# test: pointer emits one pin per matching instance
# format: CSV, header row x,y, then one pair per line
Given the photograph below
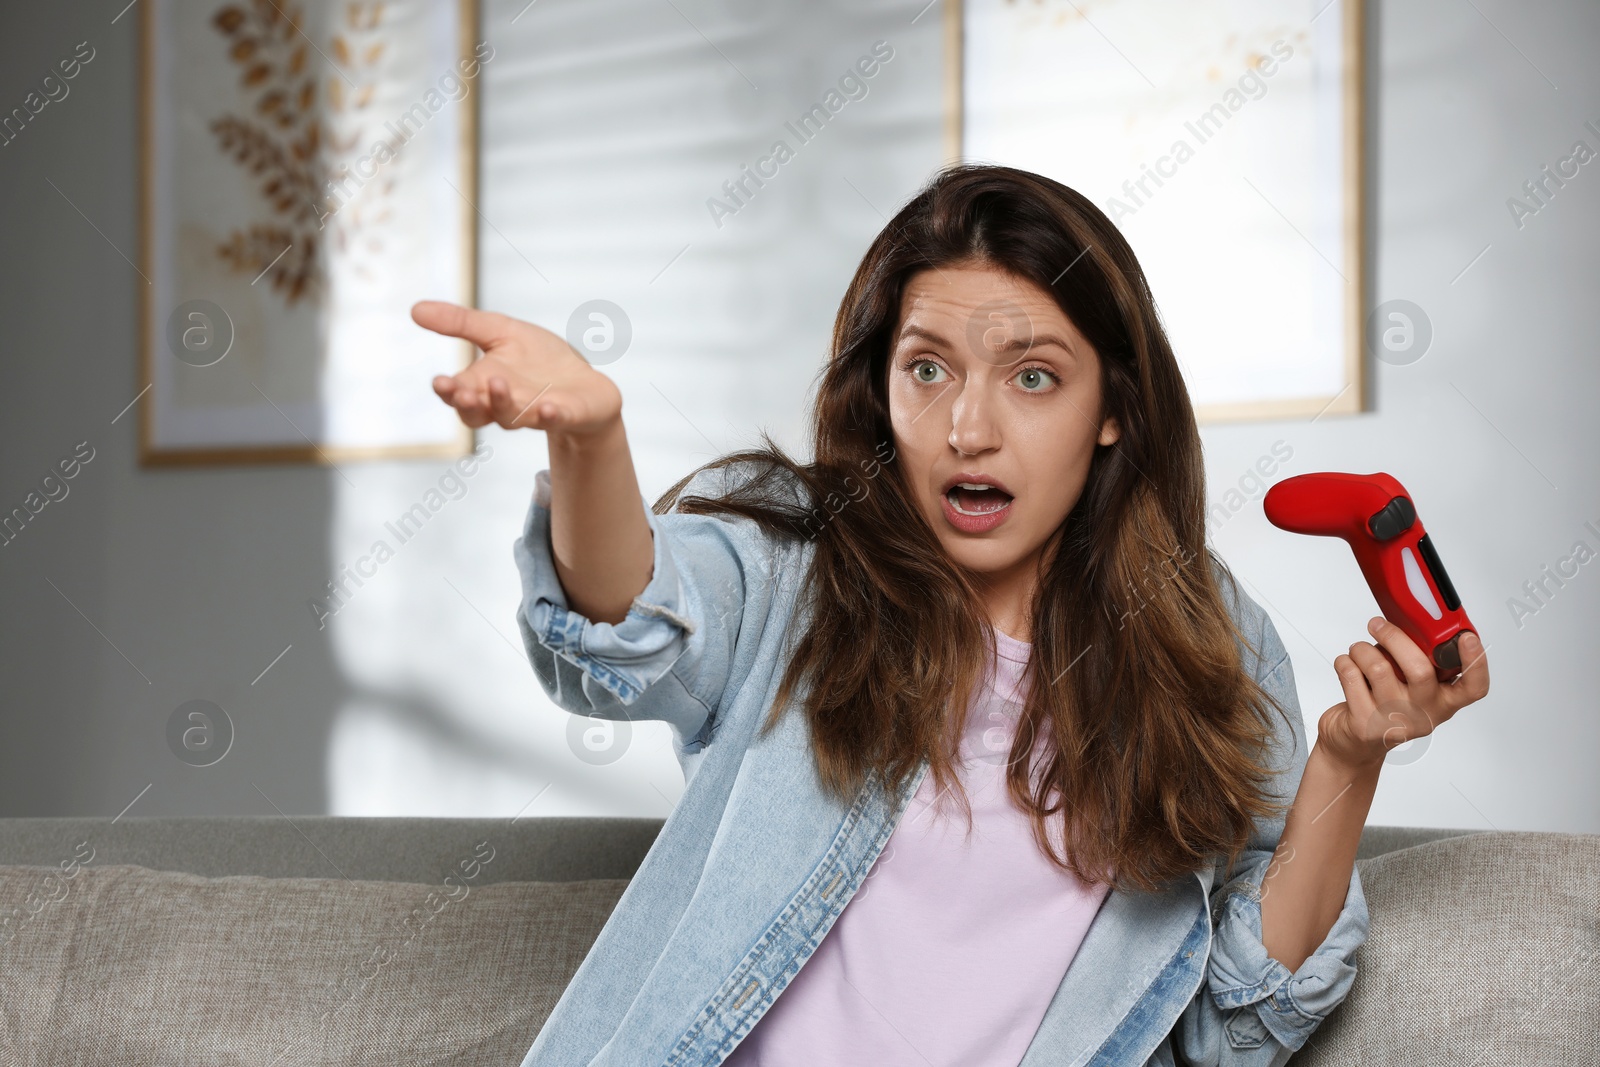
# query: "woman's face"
x,y
994,398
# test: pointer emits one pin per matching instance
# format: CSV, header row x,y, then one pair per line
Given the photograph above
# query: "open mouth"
x,y
969,498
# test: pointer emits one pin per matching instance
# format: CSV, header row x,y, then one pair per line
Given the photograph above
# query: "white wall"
x,y
1492,430
607,125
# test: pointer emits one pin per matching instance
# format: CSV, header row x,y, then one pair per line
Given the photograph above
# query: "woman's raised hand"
x,y
527,377
1393,694
599,533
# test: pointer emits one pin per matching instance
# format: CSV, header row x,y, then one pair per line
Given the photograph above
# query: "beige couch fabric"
x,y
1484,950
128,966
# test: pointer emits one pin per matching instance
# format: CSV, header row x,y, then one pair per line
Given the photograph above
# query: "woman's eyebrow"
x,y
1015,344
932,338
1042,341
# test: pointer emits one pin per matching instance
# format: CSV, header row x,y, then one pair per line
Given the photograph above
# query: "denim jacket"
x,y
756,862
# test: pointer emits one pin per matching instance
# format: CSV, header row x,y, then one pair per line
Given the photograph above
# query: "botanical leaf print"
x,y
301,126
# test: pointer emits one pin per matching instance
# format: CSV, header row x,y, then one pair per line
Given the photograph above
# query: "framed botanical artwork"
x,y
1224,139
309,172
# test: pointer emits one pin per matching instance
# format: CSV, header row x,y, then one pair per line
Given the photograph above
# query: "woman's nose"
x,y
972,424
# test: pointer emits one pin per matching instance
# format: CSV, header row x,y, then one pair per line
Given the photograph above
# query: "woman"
x,y
992,584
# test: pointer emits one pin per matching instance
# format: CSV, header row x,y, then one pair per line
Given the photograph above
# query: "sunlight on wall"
x,y
599,155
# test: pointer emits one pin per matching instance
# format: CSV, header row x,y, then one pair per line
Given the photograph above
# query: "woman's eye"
x,y
926,370
1033,379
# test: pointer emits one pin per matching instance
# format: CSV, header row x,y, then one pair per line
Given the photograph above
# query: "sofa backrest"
x,y
416,850
1483,952
118,964
357,942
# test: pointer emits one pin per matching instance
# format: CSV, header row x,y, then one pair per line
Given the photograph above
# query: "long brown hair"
x,y
1154,733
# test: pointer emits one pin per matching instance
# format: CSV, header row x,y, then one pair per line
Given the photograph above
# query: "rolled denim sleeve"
x,y
1250,1009
1264,1011
670,656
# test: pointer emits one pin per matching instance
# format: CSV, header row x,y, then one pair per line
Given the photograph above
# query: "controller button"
x,y
1395,519
1448,654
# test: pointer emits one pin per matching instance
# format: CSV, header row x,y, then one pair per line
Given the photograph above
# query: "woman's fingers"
x,y
469,399
1354,683
1402,710
446,387
1385,709
542,408
1414,663
483,328
481,401
1380,672
508,409
474,415
527,377
1392,694
1473,681
1421,678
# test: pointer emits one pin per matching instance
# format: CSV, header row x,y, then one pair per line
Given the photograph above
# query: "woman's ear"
x,y
1110,431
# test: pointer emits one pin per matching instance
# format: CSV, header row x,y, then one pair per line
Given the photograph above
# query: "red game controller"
x,y
1374,513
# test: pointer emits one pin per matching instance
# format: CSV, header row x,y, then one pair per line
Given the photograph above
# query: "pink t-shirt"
x,y
952,948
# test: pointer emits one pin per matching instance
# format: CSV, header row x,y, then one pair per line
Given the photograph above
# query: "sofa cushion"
x,y
126,965
1482,951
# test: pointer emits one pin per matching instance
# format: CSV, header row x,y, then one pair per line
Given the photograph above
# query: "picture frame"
x,y
308,171
1255,241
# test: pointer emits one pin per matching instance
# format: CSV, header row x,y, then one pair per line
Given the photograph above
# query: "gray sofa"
x,y
176,941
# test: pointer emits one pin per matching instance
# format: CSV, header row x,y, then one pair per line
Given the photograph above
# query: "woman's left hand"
x,y
1393,695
